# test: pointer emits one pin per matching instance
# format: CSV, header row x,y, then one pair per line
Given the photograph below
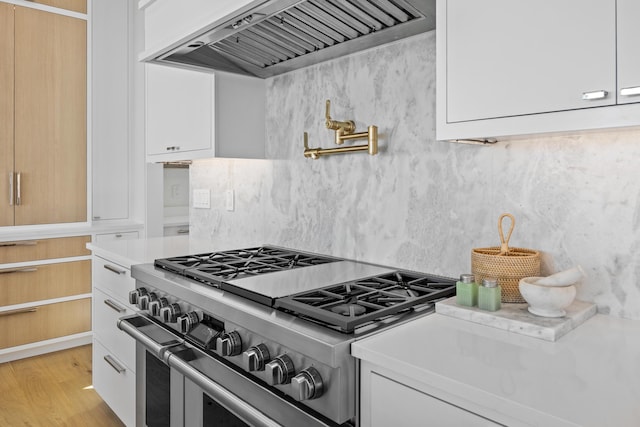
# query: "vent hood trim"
x,y
259,56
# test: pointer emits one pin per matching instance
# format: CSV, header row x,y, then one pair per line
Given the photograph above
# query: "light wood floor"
x,y
52,390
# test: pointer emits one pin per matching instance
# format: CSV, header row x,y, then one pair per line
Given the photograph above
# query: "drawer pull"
x,y
19,311
21,243
11,197
596,94
630,91
115,306
115,365
183,231
18,189
19,270
114,269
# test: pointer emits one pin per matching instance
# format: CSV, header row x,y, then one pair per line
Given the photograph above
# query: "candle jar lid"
x,y
467,278
490,282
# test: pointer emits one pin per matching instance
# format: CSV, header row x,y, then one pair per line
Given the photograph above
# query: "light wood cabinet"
x,y
79,6
43,322
39,249
498,74
195,114
45,171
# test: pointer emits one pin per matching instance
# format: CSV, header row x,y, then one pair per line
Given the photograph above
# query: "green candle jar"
x,y
467,290
489,295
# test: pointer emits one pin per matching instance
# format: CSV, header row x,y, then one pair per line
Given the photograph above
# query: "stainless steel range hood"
x,y
283,35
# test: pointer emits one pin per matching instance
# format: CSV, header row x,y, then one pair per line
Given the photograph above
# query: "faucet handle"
x,y
347,126
309,152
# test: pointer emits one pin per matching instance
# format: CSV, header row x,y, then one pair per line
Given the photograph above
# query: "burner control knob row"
x,y
145,300
188,321
170,313
279,370
136,294
307,385
156,305
255,358
229,344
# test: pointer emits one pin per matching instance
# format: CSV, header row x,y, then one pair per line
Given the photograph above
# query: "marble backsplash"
x,y
421,204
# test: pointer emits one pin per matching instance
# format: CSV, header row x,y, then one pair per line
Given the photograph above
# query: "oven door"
x,y
203,390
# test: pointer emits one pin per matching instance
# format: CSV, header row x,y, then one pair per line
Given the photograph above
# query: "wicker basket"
x,y
506,264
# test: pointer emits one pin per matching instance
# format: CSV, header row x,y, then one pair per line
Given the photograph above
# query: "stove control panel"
x,y
146,299
256,357
156,305
307,385
136,294
170,313
187,321
280,370
229,344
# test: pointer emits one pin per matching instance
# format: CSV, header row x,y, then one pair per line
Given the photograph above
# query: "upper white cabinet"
x,y
110,87
194,114
510,68
169,21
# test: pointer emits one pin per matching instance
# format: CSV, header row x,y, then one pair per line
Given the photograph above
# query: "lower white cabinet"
x,y
386,400
115,382
114,361
116,236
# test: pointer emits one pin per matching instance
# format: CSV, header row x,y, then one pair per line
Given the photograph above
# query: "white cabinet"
x,y
168,21
113,350
110,108
195,114
510,68
387,401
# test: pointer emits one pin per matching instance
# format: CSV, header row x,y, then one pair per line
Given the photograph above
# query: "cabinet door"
x,y
179,112
50,117
6,114
628,57
73,5
110,112
509,58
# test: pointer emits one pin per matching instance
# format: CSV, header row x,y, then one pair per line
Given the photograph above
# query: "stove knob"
x,y
136,294
188,321
170,313
307,385
144,300
156,305
229,344
255,358
279,370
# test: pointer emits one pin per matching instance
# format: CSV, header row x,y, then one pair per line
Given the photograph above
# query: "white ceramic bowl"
x,y
546,301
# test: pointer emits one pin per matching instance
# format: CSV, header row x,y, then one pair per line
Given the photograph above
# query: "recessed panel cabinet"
x,y
509,68
43,135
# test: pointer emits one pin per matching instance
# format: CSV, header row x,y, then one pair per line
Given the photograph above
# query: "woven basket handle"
x,y
504,243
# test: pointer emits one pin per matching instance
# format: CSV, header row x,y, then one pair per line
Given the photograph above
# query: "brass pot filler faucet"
x,y
345,130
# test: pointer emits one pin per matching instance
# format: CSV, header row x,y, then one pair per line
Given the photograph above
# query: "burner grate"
x,y
348,305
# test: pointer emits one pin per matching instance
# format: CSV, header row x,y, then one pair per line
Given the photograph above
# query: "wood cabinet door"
x,y
628,58
79,6
6,113
50,117
509,58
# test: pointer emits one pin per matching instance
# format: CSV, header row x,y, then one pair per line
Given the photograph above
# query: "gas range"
x,y
284,319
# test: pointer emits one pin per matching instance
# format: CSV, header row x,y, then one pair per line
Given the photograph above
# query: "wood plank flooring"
x,y
52,390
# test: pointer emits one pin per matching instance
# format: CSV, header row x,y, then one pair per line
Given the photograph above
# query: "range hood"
x,y
282,35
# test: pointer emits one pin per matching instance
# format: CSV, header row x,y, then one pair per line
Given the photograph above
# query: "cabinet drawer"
x,y
44,322
106,312
116,236
41,282
115,383
112,278
33,250
79,6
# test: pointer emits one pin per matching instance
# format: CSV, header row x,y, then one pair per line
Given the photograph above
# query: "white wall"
x,y
422,204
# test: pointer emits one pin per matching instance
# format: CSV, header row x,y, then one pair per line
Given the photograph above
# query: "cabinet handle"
x,y
115,365
19,270
21,243
596,94
18,189
183,231
11,188
173,148
114,269
20,311
630,91
115,306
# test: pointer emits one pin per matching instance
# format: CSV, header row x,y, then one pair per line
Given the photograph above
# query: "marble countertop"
x,y
589,377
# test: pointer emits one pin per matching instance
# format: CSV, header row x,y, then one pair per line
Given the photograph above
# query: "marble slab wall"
x,y
421,204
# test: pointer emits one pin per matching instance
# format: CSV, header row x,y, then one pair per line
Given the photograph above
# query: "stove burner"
x,y
215,268
348,305
349,309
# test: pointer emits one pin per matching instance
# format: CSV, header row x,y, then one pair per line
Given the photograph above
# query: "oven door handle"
x,y
220,394
142,330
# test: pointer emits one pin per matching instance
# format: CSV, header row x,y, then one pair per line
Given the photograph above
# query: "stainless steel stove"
x,y
277,322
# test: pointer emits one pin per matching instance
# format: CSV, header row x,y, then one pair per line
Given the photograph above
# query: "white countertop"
x,y
589,377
